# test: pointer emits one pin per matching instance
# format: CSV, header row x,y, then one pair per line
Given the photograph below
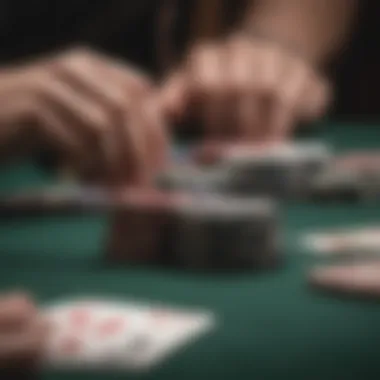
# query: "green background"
x,y
270,325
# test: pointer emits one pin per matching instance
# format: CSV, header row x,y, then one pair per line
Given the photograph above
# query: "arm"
x,y
318,29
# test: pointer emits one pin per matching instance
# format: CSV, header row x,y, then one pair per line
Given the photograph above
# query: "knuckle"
x,y
208,86
74,58
20,304
142,85
200,54
198,51
285,96
98,120
44,85
119,102
241,86
267,85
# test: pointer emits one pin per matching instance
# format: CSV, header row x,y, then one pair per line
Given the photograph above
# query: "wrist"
x,y
291,35
287,47
256,35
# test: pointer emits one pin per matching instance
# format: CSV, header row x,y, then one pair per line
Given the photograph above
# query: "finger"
x,y
157,136
286,97
316,99
135,148
241,87
174,96
209,87
114,100
87,113
26,344
247,114
15,310
91,119
119,90
56,130
84,65
264,77
282,121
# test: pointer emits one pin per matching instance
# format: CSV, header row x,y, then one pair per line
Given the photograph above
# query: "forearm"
x,y
318,29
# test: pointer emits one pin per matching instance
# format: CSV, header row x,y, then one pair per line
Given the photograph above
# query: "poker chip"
x,y
225,233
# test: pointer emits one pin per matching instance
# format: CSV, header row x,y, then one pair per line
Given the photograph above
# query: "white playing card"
x,y
344,241
111,335
168,331
91,334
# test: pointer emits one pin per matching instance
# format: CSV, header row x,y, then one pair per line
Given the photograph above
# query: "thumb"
x,y
282,122
174,95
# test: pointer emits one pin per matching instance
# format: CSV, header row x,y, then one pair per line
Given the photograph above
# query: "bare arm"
x,y
317,28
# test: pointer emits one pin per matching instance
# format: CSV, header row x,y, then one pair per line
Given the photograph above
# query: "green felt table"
x,y
270,325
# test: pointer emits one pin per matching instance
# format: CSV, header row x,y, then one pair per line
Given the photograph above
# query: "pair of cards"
x,y
118,336
344,241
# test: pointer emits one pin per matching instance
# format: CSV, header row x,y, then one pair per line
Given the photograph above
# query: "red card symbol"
x,y
79,318
111,326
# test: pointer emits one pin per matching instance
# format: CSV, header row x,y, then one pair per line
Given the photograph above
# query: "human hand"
x,y
247,88
22,332
100,113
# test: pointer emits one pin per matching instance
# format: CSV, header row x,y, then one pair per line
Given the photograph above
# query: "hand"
x,y
98,112
247,88
22,332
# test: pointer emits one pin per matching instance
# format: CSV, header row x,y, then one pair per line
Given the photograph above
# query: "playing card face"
x,y
91,335
168,330
344,241
120,336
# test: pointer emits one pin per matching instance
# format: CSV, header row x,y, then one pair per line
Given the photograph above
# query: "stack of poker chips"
x,y
198,231
226,233
192,178
216,211
280,171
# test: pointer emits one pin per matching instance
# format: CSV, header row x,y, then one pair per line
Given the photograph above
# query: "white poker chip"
x,y
285,153
344,241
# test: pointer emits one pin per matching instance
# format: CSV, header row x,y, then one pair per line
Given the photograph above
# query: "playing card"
x,y
353,279
168,330
121,336
91,335
344,241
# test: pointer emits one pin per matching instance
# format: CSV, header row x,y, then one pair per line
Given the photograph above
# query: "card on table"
x,y
352,279
352,240
99,334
